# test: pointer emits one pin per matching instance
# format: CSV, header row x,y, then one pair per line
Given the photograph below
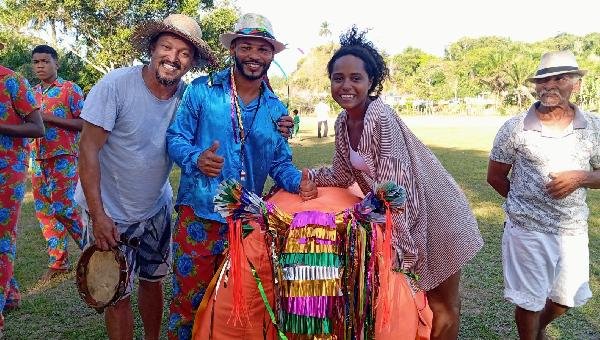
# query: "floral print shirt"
x,y
62,99
16,102
535,153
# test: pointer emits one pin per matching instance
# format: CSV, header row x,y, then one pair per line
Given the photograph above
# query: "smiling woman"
x,y
436,234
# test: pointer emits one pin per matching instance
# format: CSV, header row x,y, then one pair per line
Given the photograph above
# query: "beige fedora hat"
x,y
179,24
554,63
252,25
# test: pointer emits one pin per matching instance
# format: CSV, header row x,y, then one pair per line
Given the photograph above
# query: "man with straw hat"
x,y
124,169
225,128
552,152
20,119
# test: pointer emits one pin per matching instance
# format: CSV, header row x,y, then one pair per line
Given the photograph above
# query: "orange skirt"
x,y
410,316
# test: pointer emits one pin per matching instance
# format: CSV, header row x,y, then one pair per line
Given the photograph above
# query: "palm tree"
x,y
324,31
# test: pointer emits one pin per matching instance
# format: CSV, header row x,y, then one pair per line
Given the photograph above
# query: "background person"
x,y
552,153
322,113
296,127
55,159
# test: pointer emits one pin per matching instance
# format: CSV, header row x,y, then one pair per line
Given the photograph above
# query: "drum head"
x,y
101,276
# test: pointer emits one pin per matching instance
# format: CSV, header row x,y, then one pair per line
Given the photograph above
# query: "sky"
x,y
430,25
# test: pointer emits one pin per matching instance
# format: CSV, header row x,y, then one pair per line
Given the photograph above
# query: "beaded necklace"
x,y
236,111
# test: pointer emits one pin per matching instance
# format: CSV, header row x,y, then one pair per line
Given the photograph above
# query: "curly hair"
x,y
355,43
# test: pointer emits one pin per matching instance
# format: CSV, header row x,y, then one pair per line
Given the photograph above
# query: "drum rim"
x,y
81,277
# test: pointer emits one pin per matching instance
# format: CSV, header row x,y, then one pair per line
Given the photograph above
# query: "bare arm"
x,y
562,184
592,180
75,124
32,127
93,139
497,177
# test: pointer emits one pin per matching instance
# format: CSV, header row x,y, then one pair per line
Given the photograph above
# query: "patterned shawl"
x,y
437,234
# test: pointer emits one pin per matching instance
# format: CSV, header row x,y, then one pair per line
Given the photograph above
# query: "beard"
x,y
166,81
240,67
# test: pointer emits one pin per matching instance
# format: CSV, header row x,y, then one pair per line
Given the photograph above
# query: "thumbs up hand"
x,y
308,188
209,162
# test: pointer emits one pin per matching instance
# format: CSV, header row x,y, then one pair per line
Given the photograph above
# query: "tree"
x,y
325,31
96,31
404,68
17,51
311,74
215,22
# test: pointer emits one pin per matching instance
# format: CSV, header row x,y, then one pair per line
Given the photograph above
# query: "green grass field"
x,y
54,310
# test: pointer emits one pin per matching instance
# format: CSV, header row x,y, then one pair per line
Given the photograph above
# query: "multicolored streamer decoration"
x,y
326,268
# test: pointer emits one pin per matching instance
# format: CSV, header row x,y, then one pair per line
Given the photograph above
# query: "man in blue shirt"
x,y
226,127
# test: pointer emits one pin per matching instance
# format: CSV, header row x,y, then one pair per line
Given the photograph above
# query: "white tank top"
x,y
357,161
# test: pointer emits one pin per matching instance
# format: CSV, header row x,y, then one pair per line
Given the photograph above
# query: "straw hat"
x,y
554,63
253,26
179,24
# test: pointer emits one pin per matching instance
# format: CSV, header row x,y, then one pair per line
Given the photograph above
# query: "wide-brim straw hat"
x,y
179,24
252,25
555,63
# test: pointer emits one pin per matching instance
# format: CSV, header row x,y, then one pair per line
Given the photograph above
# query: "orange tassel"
x,y
236,253
386,268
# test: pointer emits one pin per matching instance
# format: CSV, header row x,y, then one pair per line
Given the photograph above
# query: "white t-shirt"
x,y
322,111
134,165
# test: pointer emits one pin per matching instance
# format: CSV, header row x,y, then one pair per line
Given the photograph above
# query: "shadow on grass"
x,y
55,311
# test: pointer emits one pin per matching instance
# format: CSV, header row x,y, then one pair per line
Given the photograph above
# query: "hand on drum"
x,y
209,162
308,188
105,232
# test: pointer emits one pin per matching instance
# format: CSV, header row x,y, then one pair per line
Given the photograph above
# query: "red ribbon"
x,y
236,253
385,294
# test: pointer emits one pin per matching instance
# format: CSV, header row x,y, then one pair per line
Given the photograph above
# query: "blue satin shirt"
x,y
204,116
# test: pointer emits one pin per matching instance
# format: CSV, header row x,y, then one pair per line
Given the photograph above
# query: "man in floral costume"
x,y
19,119
55,158
225,128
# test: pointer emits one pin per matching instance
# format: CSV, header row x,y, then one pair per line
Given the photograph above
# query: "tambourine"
x,y
102,276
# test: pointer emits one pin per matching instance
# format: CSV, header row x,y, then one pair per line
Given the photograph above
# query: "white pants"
x,y
539,266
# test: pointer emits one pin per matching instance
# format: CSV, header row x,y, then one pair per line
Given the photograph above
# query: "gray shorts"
x,y
151,260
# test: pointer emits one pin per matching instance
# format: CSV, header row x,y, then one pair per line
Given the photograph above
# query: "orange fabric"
x,y
410,316
329,199
256,251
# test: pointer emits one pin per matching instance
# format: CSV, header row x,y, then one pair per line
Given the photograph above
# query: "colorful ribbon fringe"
x,y
327,276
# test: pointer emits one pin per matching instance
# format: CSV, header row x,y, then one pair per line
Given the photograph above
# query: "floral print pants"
x,y
12,191
198,246
53,183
